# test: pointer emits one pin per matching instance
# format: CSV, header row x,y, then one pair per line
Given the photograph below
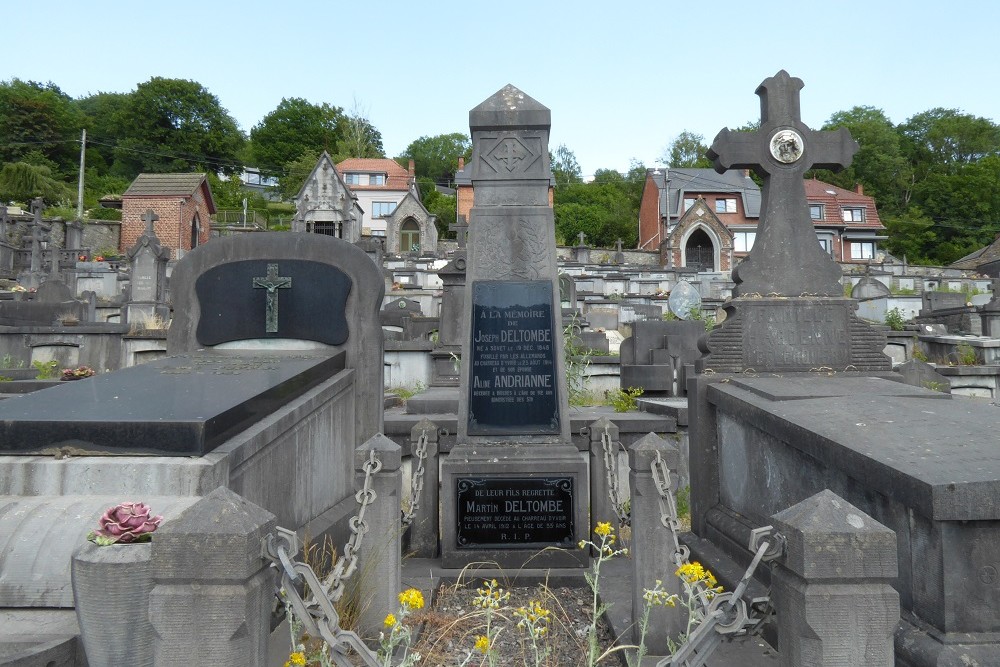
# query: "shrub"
x,y
101,213
623,400
966,355
894,319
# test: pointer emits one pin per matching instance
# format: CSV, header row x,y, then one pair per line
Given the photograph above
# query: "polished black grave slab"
x,y
185,405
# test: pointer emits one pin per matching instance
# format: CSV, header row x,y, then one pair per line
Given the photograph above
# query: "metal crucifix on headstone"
x,y
272,282
786,259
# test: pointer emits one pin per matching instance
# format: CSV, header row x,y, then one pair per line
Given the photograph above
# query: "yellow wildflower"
x,y
482,644
412,599
297,659
603,529
390,620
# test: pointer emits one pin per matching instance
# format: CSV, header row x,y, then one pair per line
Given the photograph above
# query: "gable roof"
x,y
324,157
685,182
396,177
171,185
835,199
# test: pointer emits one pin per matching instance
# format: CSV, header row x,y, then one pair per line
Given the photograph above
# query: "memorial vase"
x,y
111,588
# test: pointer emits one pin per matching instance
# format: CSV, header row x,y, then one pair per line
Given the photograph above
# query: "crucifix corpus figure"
x,y
272,282
786,259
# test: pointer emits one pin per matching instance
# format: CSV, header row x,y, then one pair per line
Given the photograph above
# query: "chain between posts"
x,y
347,565
316,612
610,450
668,508
417,479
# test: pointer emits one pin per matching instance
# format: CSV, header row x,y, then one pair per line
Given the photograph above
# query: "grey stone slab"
x,y
179,406
924,453
799,387
670,407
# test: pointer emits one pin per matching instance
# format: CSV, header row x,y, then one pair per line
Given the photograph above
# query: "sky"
x,y
622,79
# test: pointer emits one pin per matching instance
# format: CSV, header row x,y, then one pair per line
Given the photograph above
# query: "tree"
x,y
100,112
22,182
944,139
36,117
360,138
296,172
687,150
442,205
295,127
436,157
565,169
879,164
169,125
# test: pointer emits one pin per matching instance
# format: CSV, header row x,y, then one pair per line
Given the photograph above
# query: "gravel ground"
x,y
452,624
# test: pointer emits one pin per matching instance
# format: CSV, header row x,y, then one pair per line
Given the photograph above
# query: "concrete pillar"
x,y
212,591
424,529
377,581
601,508
652,542
831,589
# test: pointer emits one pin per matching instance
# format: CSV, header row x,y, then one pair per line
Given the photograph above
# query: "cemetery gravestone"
x,y
148,276
788,312
514,484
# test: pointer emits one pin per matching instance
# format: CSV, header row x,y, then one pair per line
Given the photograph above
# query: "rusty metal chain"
x,y
416,479
610,449
316,612
668,509
347,565
728,614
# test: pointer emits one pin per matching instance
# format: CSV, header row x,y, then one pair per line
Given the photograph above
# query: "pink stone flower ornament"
x,y
127,523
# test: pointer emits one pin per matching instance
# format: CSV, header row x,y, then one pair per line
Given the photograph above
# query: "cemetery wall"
x,y
97,235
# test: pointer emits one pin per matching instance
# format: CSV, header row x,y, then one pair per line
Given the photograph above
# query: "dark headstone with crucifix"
x,y
513,443
788,313
291,291
148,259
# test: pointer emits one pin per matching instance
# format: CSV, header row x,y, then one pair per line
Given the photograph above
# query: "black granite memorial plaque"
x,y
515,512
185,405
513,386
272,299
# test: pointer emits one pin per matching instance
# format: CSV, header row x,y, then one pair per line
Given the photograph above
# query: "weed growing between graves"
x,y
576,360
966,355
700,586
47,370
918,353
894,319
148,323
406,393
7,361
623,400
605,552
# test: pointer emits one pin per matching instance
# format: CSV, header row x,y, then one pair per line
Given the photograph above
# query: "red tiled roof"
x,y
834,199
397,178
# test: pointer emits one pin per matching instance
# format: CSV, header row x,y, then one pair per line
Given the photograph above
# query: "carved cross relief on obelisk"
x,y
786,259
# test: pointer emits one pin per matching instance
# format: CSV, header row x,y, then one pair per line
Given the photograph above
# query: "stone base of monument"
x,y
515,505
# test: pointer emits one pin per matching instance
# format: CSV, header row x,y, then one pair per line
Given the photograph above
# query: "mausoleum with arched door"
x,y
411,228
699,241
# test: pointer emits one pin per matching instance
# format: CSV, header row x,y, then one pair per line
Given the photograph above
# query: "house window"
x,y
380,209
352,179
816,212
376,179
862,250
854,215
743,241
826,245
725,205
688,203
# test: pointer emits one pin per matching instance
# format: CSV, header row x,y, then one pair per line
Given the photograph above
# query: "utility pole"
x,y
79,190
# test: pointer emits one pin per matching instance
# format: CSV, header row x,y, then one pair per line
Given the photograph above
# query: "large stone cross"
x,y
581,236
786,258
3,223
461,229
149,218
272,282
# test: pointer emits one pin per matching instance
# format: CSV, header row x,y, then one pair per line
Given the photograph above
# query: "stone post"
x,y
831,589
212,590
377,581
424,529
652,543
601,508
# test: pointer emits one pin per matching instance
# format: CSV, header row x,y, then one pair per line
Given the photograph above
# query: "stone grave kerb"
x,y
358,330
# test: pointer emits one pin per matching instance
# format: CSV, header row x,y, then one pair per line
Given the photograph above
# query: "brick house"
x,y
380,184
465,193
183,203
706,220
